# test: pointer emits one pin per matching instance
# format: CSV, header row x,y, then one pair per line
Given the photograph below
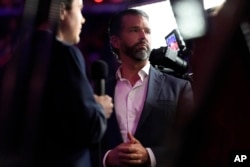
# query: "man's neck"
x,y
130,71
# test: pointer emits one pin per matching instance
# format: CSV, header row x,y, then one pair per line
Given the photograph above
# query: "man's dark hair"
x,y
44,9
115,24
68,3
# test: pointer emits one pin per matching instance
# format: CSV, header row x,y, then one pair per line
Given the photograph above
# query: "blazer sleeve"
x,y
176,101
170,149
88,116
185,106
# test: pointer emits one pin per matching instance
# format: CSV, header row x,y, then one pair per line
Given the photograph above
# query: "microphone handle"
x,y
100,87
100,90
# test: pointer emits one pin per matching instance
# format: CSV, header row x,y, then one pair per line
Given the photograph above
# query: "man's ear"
x,y
115,41
62,10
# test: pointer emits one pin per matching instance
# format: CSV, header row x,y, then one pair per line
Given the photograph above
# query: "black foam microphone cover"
x,y
99,72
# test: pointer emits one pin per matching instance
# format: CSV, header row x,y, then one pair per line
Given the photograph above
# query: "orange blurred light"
x,y
98,1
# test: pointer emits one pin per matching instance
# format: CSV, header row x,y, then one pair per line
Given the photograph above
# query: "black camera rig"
x,y
170,59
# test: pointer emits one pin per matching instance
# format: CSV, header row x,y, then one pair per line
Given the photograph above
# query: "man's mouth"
x,y
143,45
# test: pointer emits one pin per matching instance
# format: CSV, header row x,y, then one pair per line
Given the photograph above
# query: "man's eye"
x,y
134,30
148,31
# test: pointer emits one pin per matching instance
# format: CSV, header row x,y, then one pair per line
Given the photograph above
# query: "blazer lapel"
x,y
154,87
113,127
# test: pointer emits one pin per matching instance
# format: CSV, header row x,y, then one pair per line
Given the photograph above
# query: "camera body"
x,y
169,59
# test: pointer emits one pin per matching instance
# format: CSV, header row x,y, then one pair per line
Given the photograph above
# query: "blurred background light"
x,y
192,22
212,3
161,19
98,1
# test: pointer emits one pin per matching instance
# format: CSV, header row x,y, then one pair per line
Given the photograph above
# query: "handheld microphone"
x,y
99,72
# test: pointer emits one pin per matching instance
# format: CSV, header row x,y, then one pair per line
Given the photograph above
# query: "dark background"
x,y
221,65
94,38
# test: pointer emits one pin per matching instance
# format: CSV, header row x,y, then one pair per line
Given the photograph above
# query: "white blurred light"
x,y
161,19
212,3
191,23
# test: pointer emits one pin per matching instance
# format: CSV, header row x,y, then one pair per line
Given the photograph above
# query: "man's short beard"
x,y
141,55
135,53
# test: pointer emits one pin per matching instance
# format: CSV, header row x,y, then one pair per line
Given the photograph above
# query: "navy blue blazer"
x,y
70,119
168,100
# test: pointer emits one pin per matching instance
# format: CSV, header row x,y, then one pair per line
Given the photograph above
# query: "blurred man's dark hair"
x,y
43,11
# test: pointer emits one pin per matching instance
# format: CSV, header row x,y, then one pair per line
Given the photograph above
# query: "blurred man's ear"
x,y
62,10
115,42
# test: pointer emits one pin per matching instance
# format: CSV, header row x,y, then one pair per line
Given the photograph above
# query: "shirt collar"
x,y
143,73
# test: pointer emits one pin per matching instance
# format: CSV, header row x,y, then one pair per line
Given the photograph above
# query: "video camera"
x,y
169,59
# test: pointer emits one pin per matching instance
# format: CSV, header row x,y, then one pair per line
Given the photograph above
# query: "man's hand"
x,y
129,153
106,103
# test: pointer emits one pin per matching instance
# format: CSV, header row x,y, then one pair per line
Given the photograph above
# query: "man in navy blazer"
x,y
147,102
72,118
54,115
